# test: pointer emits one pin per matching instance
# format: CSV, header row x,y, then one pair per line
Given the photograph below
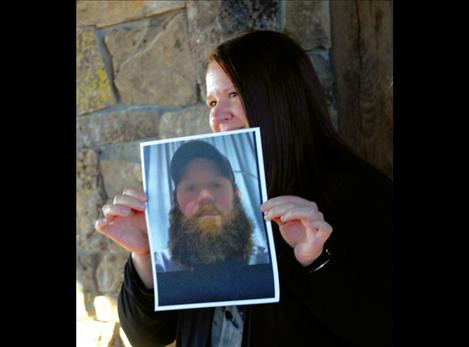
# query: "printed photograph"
x,y
209,242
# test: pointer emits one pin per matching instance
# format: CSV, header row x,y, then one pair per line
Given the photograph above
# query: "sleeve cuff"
x,y
135,286
320,262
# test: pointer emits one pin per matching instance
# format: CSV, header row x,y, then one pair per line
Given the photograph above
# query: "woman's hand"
x,y
124,222
301,225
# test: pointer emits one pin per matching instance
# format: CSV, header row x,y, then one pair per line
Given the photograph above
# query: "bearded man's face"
x,y
207,221
202,185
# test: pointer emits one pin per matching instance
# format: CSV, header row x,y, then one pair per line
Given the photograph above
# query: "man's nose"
x,y
205,196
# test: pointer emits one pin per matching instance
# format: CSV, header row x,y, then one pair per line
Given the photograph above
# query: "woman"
x,y
264,79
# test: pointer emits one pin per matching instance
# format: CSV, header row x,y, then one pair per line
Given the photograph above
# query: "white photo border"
x,y
270,239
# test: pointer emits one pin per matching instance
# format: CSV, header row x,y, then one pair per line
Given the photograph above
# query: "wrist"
x,y
142,265
319,262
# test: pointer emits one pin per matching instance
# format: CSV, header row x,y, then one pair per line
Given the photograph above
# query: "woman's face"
x,y
226,107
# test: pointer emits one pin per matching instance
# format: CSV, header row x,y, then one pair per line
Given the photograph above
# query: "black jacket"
x,y
346,303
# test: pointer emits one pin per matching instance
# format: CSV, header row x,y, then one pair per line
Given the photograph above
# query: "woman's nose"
x,y
221,113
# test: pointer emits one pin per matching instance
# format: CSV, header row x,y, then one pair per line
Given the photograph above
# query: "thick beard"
x,y
192,245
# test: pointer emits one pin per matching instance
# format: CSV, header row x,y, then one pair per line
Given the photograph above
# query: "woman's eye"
x,y
233,94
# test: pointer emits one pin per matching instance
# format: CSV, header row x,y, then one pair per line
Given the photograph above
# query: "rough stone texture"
x,y
362,63
120,167
191,121
86,282
94,333
110,272
152,64
89,199
238,15
106,308
120,174
116,127
212,22
334,115
308,23
87,170
93,87
116,340
322,66
81,313
104,13
129,151
88,210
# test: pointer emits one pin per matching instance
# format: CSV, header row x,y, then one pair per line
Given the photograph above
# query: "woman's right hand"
x,y
124,222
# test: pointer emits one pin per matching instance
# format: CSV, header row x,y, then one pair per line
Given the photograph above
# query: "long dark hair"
x,y
282,95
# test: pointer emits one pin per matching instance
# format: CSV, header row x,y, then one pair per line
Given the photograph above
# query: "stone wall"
x,y
140,76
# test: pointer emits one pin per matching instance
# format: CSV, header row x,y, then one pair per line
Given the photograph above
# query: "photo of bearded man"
x,y
208,223
210,243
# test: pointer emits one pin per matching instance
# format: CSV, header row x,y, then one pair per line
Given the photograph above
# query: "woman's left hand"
x,y
301,225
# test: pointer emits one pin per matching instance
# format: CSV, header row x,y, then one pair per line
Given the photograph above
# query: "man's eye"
x,y
190,188
212,103
216,185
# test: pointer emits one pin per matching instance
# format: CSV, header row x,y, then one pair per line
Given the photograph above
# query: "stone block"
x,y
109,272
86,169
190,121
106,308
89,200
239,15
116,127
86,282
81,312
152,63
322,66
94,333
105,13
129,151
213,22
308,22
116,340
91,196
119,175
93,87
120,167
89,206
